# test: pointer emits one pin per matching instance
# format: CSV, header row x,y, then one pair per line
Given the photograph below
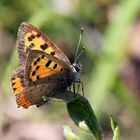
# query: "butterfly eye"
x,y
77,69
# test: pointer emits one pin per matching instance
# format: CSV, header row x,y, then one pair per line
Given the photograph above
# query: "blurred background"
x,y
111,64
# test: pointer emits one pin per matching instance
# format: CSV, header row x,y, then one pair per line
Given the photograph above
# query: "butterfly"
x,y
44,68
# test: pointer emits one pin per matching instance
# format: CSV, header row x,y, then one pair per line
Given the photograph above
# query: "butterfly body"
x,y
44,68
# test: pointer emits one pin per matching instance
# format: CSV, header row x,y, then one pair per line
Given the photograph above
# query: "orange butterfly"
x,y
44,68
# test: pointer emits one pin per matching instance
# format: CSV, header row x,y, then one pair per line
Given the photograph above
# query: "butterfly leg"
x,y
80,83
78,87
74,89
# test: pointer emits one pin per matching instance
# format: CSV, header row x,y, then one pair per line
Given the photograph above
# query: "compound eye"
x,y
77,69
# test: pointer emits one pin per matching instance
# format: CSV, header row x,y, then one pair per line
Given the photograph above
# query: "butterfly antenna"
x,y
83,49
81,33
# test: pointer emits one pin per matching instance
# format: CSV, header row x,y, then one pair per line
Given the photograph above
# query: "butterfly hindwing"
x,y
18,86
17,80
32,95
30,38
40,65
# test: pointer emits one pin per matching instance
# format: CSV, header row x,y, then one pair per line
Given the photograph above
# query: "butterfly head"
x,y
76,69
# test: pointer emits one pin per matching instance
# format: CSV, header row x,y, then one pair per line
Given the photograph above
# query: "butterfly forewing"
x,y
30,38
40,65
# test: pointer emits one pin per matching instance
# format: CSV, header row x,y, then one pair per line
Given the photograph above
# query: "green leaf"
x,y
115,128
82,114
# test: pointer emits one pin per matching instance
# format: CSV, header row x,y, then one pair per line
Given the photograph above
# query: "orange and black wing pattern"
x,y
18,86
30,38
27,95
40,65
39,59
17,80
33,96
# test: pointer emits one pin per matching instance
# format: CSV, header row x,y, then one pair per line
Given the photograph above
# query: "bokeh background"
x,y
111,64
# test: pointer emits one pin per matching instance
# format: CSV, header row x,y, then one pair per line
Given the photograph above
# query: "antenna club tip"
x,y
82,29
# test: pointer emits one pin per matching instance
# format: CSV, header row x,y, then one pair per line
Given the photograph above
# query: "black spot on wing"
x,y
14,89
44,46
55,66
38,59
31,45
52,53
35,63
30,38
33,73
48,63
38,35
37,77
61,69
37,67
43,56
13,83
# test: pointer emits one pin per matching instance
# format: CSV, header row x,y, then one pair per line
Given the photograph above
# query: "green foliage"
x,y
115,128
82,114
103,78
106,21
